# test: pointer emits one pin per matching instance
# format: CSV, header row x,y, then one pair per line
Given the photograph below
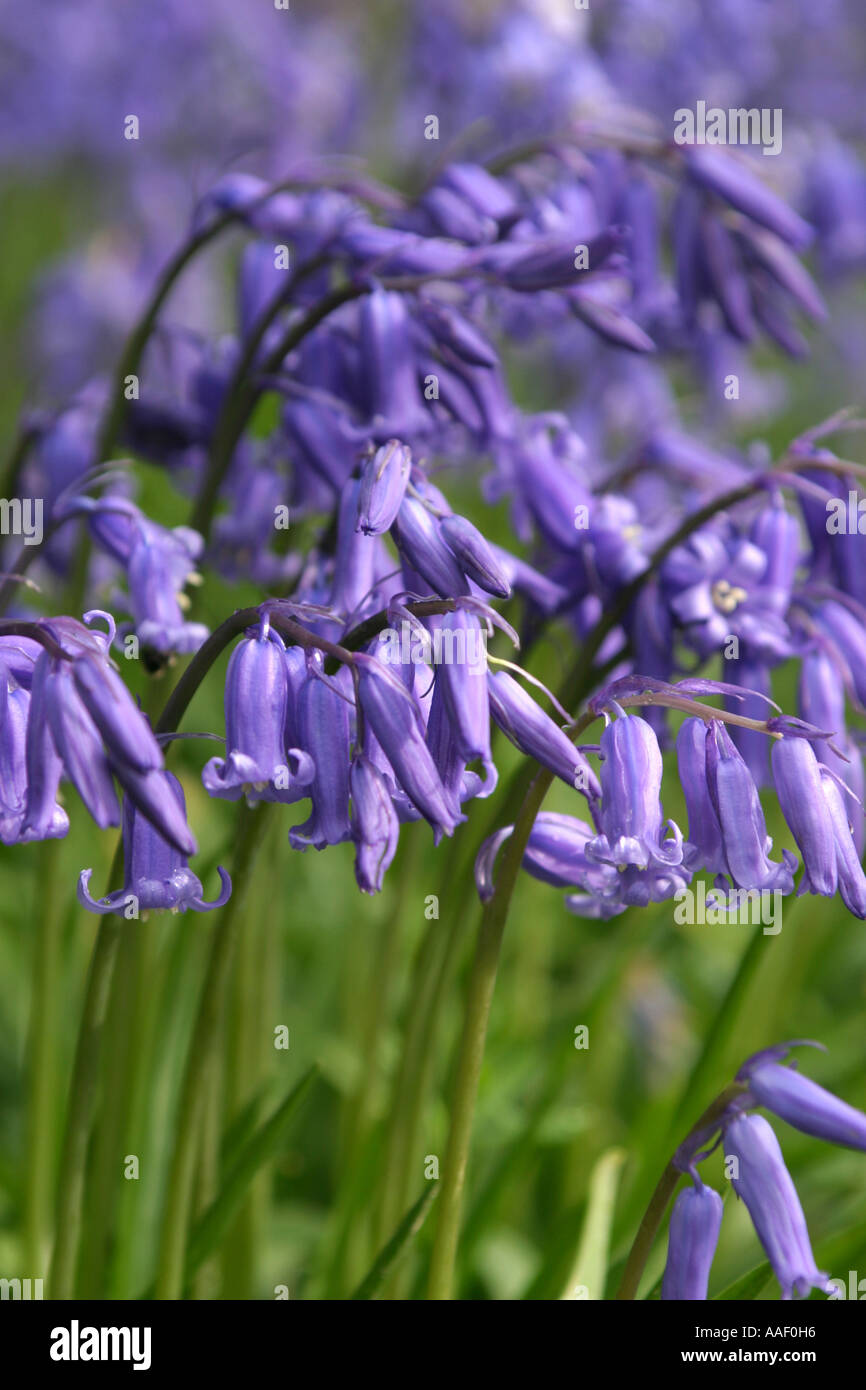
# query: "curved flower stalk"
x,y
156,876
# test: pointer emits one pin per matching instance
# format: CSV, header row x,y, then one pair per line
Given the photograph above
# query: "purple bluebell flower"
x,y
160,563
355,558
849,870
258,765
717,588
800,789
555,854
631,817
848,636
535,733
323,720
420,543
395,720
737,805
692,1239
474,556
732,180
463,682
761,1179
375,825
383,485
156,875
800,1101
703,848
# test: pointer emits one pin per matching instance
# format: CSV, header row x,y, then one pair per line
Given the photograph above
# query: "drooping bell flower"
x,y
355,557
395,720
258,763
849,870
631,817
474,555
741,820
160,564
703,848
535,733
324,733
375,825
463,682
383,486
800,1101
555,854
50,821
420,543
156,876
390,385
692,1239
800,790
760,1178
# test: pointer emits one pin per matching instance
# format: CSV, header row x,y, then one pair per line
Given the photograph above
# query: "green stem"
x,y
85,1079
200,1059
44,1102
658,1204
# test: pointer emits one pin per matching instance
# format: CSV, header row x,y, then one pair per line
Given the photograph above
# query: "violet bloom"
x,y
375,826
631,818
720,586
395,720
421,545
800,789
383,485
258,763
463,683
474,556
692,1239
761,1179
555,854
703,848
734,796
535,733
156,875
49,820
324,732
800,1101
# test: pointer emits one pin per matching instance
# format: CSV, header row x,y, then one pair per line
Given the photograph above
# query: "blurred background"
x,y
87,220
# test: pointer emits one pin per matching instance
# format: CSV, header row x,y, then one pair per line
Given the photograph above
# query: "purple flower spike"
x,y
383,486
395,721
375,826
258,763
534,732
631,814
802,1102
474,555
764,1183
692,1239
156,875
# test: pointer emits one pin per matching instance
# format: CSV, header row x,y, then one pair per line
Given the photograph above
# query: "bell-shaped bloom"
x,y
474,555
395,720
383,486
324,734
692,1239
800,789
535,733
50,821
849,871
463,682
760,1178
822,703
156,876
76,738
800,1101
375,825
631,818
741,819
420,543
555,853
354,559
390,378
703,848
258,764
160,563
848,635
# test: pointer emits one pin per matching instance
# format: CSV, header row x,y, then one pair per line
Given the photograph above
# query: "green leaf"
x,y
265,1142
590,1267
748,1286
388,1257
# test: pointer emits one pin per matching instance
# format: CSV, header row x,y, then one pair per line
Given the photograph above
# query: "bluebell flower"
x,y
383,485
156,875
760,1178
258,765
696,1221
375,826
535,733
631,818
745,842
323,731
800,1101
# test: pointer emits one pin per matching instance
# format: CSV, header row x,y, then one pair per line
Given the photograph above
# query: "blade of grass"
x,y
389,1255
